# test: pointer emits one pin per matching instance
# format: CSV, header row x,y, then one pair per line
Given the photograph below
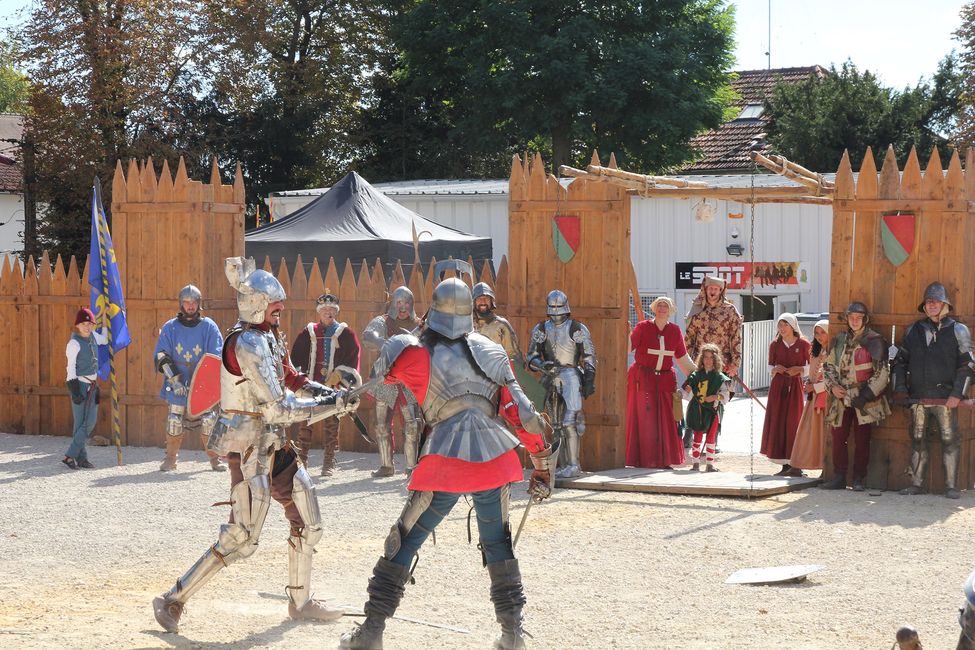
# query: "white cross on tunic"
x,y
661,353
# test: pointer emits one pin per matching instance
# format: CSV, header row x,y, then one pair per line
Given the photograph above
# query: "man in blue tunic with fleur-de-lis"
x,y
182,343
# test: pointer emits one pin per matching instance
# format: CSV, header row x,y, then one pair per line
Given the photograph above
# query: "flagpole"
x,y
106,316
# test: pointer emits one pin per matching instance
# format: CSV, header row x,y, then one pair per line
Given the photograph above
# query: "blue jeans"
x,y
492,532
85,417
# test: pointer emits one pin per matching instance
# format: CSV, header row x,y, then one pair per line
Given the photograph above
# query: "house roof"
x,y
11,176
726,148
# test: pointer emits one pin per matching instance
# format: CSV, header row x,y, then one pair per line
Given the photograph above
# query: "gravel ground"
x,y
82,554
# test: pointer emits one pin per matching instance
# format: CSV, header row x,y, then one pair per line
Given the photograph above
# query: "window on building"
x,y
751,112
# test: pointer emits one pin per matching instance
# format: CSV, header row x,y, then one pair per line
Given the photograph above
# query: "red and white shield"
x,y
205,386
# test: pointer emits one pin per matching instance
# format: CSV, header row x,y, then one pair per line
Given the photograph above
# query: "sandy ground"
x,y
83,553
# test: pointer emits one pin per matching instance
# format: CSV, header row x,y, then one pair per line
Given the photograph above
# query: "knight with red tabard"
x,y
467,389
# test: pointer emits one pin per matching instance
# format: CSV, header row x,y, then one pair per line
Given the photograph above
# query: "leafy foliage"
x,y
472,82
814,121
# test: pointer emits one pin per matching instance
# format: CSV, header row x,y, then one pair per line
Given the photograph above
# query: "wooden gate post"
x,y
944,238
596,280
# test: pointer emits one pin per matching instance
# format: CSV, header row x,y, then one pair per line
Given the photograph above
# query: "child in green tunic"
x,y
708,390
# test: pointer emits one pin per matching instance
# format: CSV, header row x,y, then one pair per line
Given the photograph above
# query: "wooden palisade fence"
x,y
172,232
945,233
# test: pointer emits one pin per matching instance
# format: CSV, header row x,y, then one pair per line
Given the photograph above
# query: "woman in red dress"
x,y
788,355
651,429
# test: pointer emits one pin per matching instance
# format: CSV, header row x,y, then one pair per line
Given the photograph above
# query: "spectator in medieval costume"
x,y
707,388
82,378
856,375
714,319
182,343
326,351
651,411
810,444
788,356
933,369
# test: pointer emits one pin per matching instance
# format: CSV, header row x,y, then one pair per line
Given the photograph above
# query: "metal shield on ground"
x,y
205,386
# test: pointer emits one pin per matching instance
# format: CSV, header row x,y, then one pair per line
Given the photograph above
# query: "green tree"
x,y
14,87
814,121
964,133
472,82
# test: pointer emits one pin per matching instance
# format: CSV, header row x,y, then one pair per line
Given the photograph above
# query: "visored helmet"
x,y
451,310
557,304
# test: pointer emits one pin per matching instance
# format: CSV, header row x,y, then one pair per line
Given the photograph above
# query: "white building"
x,y
11,182
672,243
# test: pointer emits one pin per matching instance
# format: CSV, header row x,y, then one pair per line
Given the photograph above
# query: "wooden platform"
x,y
684,481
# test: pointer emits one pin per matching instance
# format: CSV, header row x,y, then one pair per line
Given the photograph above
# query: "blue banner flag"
x,y
107,301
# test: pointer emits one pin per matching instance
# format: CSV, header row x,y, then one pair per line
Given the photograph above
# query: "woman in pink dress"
x,y
651,426
809,449
788,355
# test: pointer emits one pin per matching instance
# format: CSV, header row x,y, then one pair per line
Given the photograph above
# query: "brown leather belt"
x,y
250,413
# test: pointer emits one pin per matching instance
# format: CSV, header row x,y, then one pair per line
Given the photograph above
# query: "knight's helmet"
x,y
858,307
451,310
401,294
256,289
935,291
557,306
484,289
190,292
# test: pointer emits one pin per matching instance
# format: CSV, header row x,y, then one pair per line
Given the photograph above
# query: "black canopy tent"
x,y
354,221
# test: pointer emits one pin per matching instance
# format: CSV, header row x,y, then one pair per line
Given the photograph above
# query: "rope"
x,y
751,291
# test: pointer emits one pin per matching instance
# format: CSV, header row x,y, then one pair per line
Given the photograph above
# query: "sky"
x,y
900,41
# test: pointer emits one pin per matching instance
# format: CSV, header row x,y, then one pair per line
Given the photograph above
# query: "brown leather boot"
x,y
314,610
172,452
304,444
331,446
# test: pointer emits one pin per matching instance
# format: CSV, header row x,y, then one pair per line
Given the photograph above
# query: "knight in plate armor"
x,y
182,343
933,369
467,390
260,394
399,318
562,348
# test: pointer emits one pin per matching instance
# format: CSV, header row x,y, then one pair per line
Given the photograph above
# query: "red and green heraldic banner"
x,y
742,275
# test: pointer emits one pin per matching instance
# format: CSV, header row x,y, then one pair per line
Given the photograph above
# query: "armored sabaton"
x,y
255,406
375,335
564,351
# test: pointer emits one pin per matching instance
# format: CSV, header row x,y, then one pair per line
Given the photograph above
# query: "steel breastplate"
x,y
559,346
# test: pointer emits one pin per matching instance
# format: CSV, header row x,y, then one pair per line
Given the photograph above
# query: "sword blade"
x,y
524,517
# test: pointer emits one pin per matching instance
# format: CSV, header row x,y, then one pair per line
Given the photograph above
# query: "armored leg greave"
x,y
919,446
301,543
411,445
174,437
384,441
508,596
250,501
386,588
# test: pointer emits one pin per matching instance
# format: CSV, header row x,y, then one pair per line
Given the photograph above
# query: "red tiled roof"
x,y
11,176
727,147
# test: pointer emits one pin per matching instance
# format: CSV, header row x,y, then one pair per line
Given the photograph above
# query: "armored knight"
x,y
465,384
488,323
562,349
856,375
400,318
182,343
328,350
257,400
932,369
